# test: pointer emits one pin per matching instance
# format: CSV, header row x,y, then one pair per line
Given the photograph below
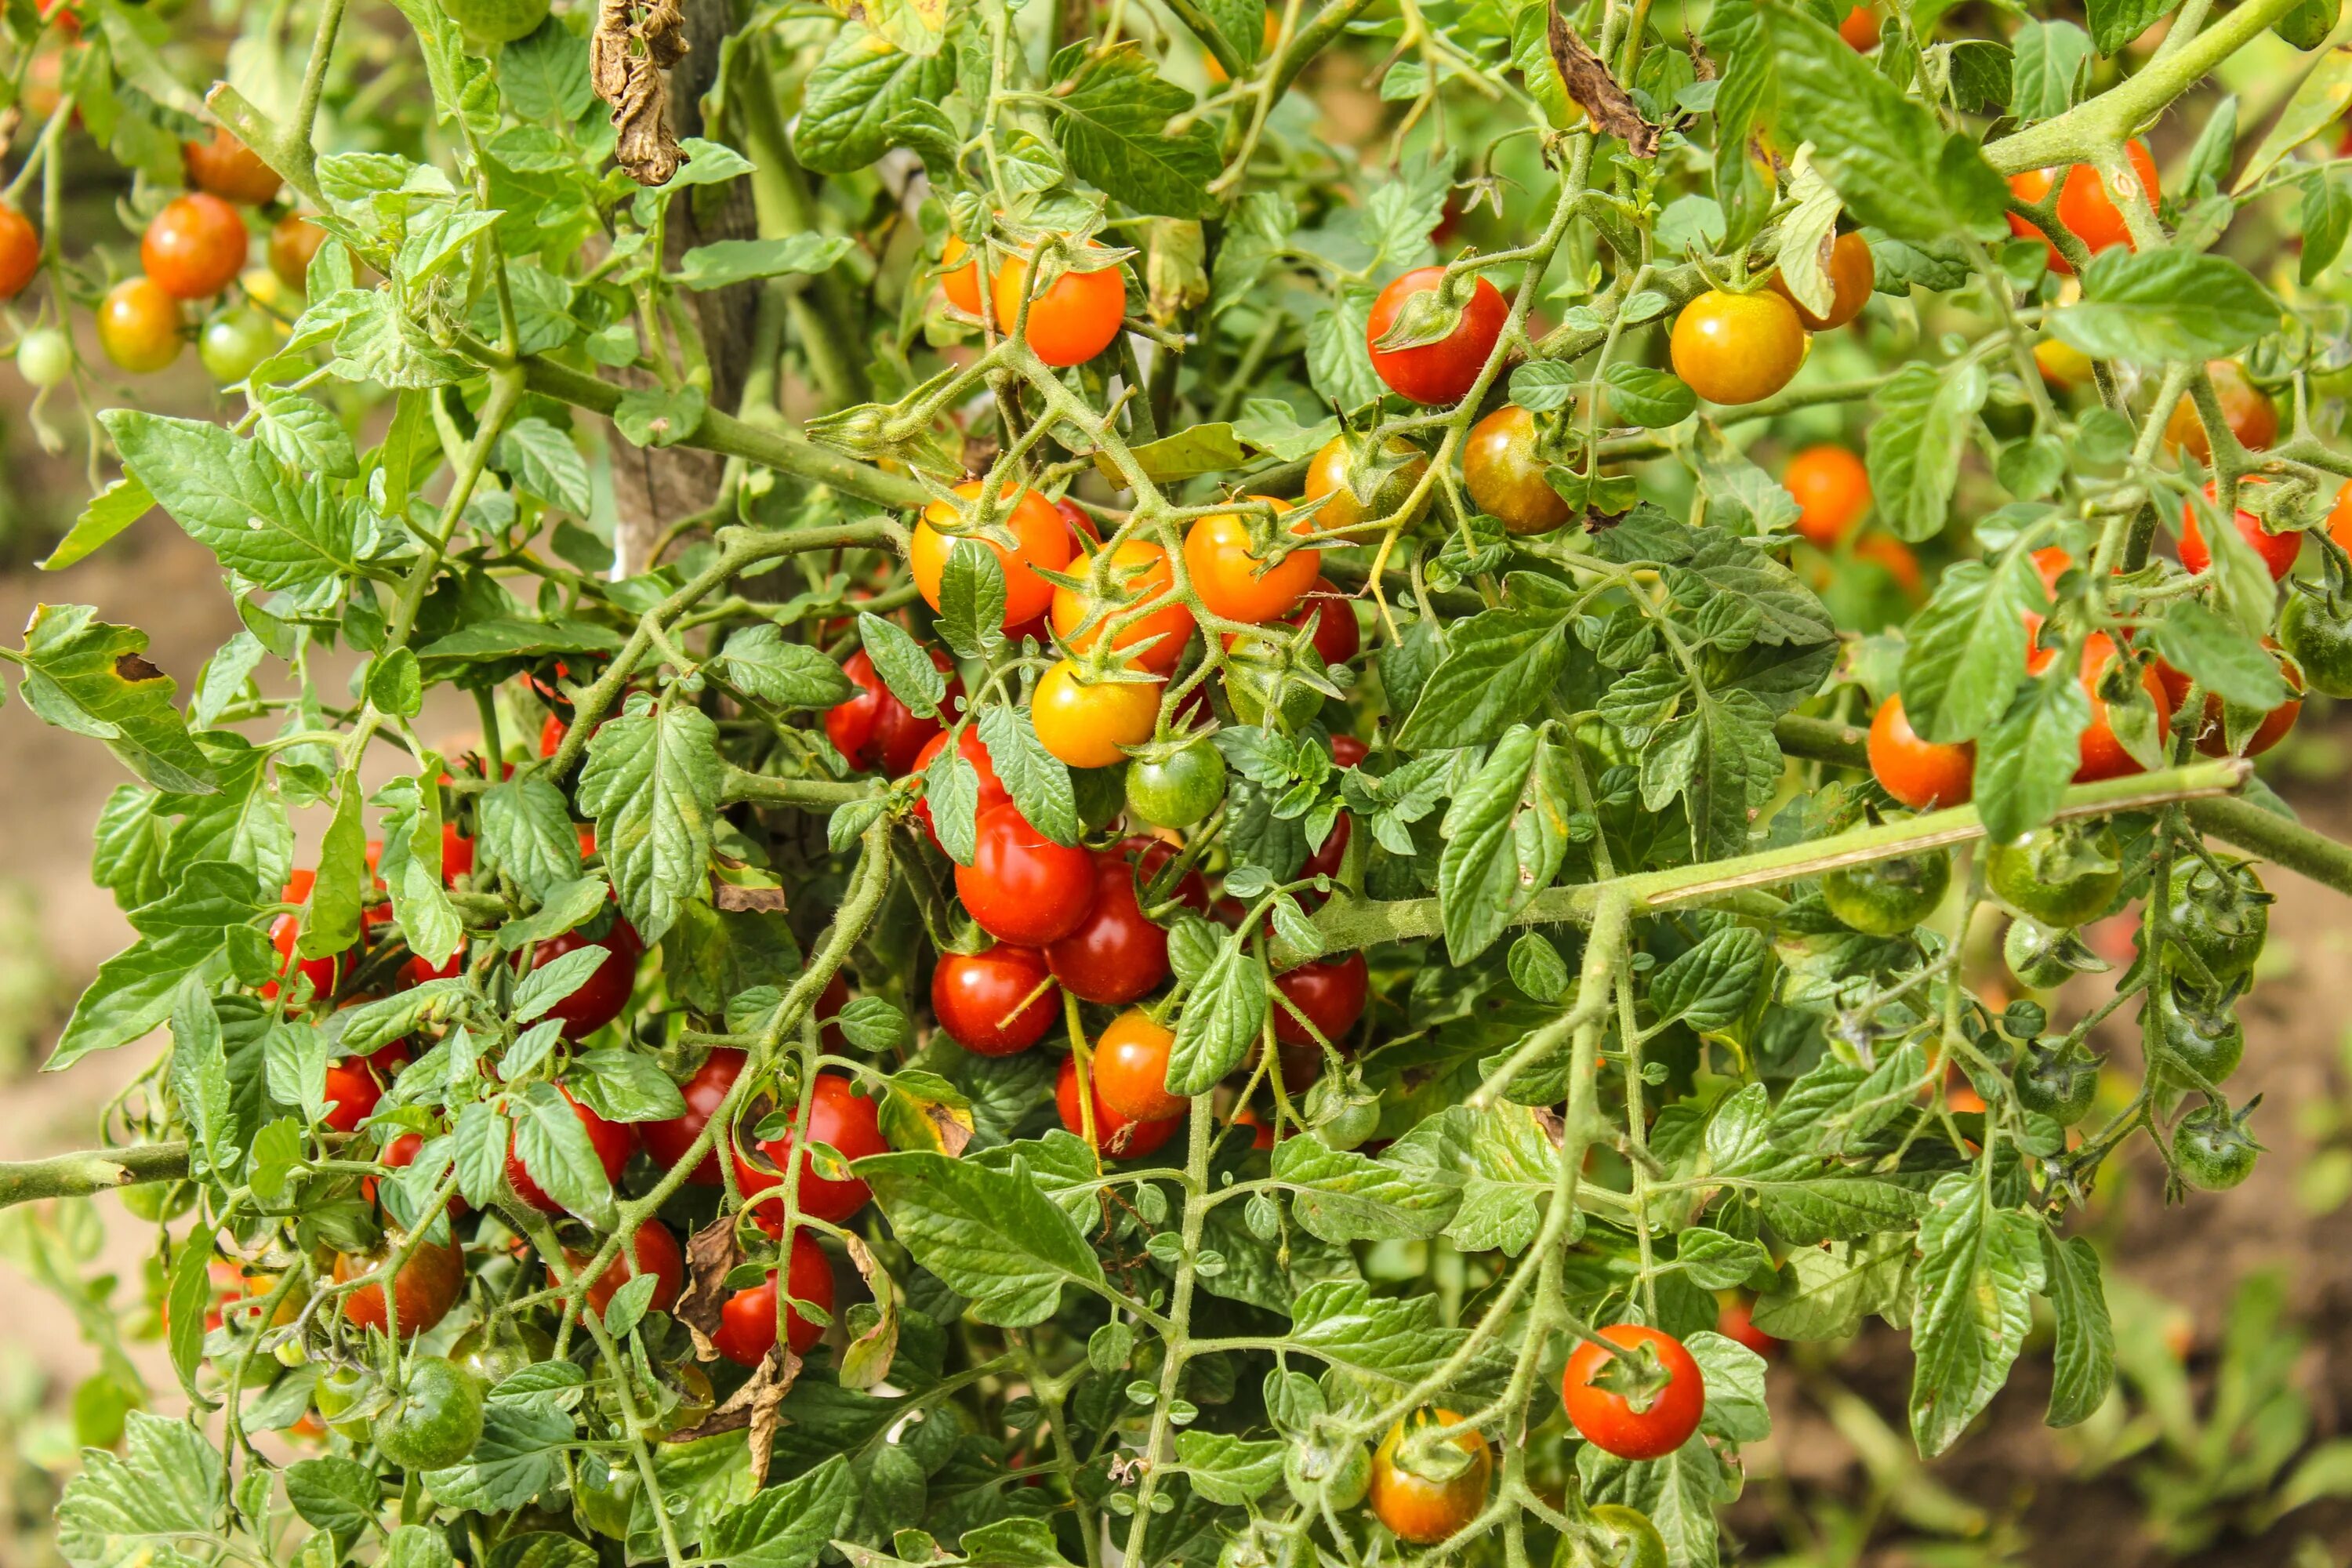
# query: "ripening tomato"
x,y
1735,1319
1846,262
423,1292
234,341
1130,1069
2212,732
1392,470
1422,1509
1238,585
1895,558
1737,347
995,1004
1338,639
1923,775
140,326
1116,955
959,275
838,1116
1661,1421
666,1142
2063,365
1149,855
1139,571
20,251
401,1153
1116,1136
612,1140
1504,467
1091,725
294,239
351,1093
1443,371
2084,204
1044,539
873,731
325,974
230,169
606,992
2247,409
1859,28
652,1250
1076,317
2277,550
2103,756
1330,992
747,1321
195,246
974,750
1832,492
1022,886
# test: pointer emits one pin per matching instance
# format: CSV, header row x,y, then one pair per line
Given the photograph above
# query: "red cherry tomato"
x,y
1022,886
1736,1320
423,1291
611,1139
654,1250
606,994
1330,992
2084,204
2212,733
1338,639
840,1117
1116,955
1609,1420
1832,492
195,246
1324,861
877,731
2277,550
20,251
666,1142
1116,1136
1044,541
995,1003
1422,1509
1347,751
230,169
1148,855
747,1321
1442,372
2103,756
1923,775
992,792
1130,1069
1860,30
351,1093
1077,317
325,974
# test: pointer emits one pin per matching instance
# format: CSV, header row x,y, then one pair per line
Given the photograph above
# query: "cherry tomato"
x,y
1273,34
351,1093
1832,492
1092,726
2317,632
1116,1136
1860,30
959,275
1422,1509
1887,897
1238,585
2198,1040
1922,775
1324,861
1139,571
1347,751
2212,731
995,1004
654,1250
1846,262
2277,550
747,1321
2057,1081
401,1153
2339,517
612,1140
234,341
195,246
1392,468
230,169
294,239
2247,409
2063,365
1505,473
1443,371
992,792
1116,955
325,974
1044,539
20,251
838,1116
666,1142
1894,557
140,326
2211,1149
1130,1069
2214,922
1735,1319
423,1292
1338,639
873,731
2084,204
2060,876
1076,317
1330,992
435,1417
606,994
1737,347
1022,886
496,1350
1179,789
45,357
2102,754
1611,1420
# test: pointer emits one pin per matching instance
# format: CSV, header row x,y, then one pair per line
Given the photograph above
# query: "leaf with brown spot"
x,y
866,1359
632,45
1605,104
711,1254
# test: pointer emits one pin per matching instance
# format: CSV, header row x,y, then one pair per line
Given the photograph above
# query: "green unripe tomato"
x,y
497,1350
2318,633
2061,875
2214,922
1341,1111
43,357
494,22
233,343
2199,1034
2212,1150
603,1488
1628,1539
158,1201
2057,1081
1317,1472
1179,789
2044,958
340,1391
1888,898
436,1420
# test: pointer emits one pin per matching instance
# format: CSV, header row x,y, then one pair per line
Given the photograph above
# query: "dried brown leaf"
x,y
757,1406
711,1254
866,1359
737,899
1607,105
634,42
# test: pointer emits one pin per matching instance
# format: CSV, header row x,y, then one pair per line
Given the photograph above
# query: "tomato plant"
x,y
1219,732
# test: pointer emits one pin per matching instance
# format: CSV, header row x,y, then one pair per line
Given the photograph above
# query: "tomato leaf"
x,y
990,1235
1980,1265
1960,665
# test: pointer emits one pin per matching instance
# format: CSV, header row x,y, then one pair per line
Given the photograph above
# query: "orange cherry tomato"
x,y
1130,1069
423,1292
1273,34
294,239
2339,517
1089,726
1505,473
1443,371
1738,348
2103,756
959,275
230,169
1238,585
1120,1137
1139,571
1832,492
1074,320
2246,408
1923,775
195,246
2277,550
2084,206
1845,260
2212,731
1044,540
1611,1420
140,326
20,251
1897,559
1860,30
1421,1509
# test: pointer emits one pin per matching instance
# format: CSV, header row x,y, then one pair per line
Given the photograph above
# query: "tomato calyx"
x,y
1633,1373
1432,315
